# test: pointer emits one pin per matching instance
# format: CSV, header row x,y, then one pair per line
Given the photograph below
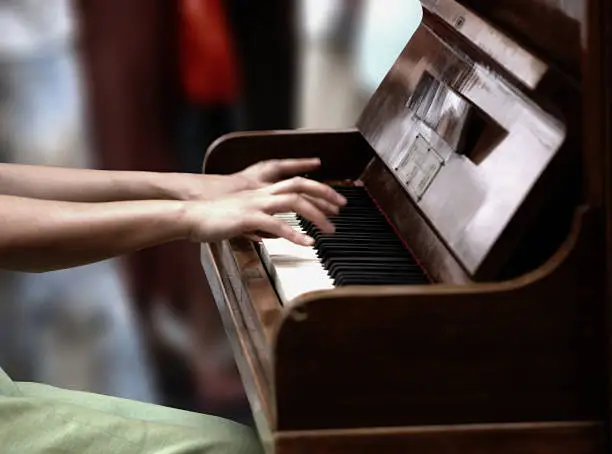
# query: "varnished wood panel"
x,y
549,27
344,153
489,44
250,364
260,306
466,145
419,236
561,438
526,350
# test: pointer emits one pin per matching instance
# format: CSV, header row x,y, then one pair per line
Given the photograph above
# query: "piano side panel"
x,y
528,350
557,438
344,154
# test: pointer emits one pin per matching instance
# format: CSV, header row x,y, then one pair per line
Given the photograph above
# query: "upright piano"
x,y
460,306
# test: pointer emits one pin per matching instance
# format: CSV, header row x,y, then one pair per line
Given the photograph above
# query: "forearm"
x,y
39,235
84,185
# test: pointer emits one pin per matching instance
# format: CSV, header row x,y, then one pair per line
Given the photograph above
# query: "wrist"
x,y
196,187
178,217
172,186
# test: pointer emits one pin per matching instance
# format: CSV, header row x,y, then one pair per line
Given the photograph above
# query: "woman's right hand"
x,y
253,211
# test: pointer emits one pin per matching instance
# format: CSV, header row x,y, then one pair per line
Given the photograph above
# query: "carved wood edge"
x,y
579,437
248,361
262,305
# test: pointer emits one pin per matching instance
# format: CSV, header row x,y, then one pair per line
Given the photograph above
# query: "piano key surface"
x,y
364,250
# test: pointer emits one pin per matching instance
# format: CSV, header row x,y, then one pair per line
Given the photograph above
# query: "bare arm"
x,y
84,185
42,235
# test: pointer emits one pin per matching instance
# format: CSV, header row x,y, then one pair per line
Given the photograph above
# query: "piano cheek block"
x,y
344,153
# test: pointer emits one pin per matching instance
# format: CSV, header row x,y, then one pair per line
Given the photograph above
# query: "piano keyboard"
x,y
364,250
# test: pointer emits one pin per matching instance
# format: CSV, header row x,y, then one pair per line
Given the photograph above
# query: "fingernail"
x,y
309,241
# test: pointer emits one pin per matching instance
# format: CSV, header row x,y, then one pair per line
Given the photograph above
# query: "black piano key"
x,y
403,270
378,243
375,268
377,280
357,260
364,250
337,266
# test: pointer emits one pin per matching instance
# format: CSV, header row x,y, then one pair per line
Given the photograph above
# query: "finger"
x,y
326,207
308,187
262,235
253,237
273,226
299,204
281,168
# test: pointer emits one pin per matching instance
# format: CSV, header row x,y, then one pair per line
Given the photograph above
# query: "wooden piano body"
x,y
472,148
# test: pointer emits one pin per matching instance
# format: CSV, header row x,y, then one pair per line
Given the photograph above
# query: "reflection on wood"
x,y
550,27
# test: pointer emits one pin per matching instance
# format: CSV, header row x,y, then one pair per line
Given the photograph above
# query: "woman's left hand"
x,y
257,176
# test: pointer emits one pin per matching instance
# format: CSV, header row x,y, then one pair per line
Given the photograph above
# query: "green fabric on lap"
x,y
37,418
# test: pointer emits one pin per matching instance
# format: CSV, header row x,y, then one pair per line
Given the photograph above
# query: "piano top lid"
x,y
465,142
525,66
552,28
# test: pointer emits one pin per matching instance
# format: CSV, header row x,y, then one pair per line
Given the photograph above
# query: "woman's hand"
x,y
253,211
273,171
260,175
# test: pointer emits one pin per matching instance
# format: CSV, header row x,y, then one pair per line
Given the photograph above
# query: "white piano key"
x,y
295,269
294,280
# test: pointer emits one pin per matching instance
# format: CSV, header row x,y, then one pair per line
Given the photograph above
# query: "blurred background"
x,y
148,85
